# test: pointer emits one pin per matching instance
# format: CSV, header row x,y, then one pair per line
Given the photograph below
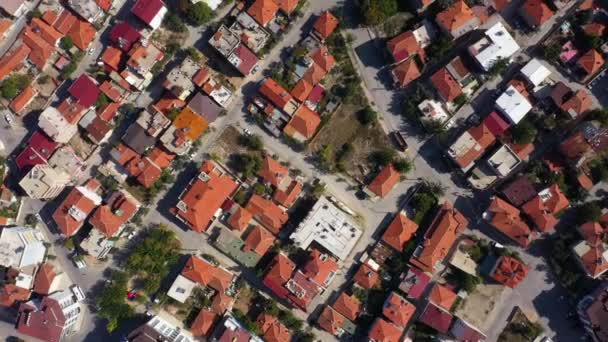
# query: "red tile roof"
x,y
118,210
595,29
325,25
323,58
240,219
39,149
593,233
13,60
146,10
398,310
42,320
288,6
404,46
415,283
575,146
259,240
399,231
44,279
593,260
124,36
592,62
203,323
406,72
537,12
272,171
82,34
442,296
11,294
109,89
496,124
320,268
366,277
65,21
383,331
263,11
483,137
204,198
578,103
436,318
278,274
506,218
221,303
301,90
447,87
289,195
509,271
267,213
275,93
542,211
105,5
85,90
454,17
73,211
385,181
304,122
47,32
49,16
314,74
331,321
248,59
348,306
23,99
41,50
441,235
112,57
204,273
160,157
272,329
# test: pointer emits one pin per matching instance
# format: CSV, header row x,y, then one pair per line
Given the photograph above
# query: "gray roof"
x,y
137,139
204,106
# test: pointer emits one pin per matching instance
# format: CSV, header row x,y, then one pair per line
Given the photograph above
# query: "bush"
x,y
200,13
174,23
102,101
68,70
31,220
402,165
383,157
194,53
375,12
367,116
524,132
67,42
253,142
590,211
499,67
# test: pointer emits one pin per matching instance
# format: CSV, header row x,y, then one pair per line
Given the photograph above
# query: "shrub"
x,y
367,116
383,157
524,132
200,13
174,23
67,42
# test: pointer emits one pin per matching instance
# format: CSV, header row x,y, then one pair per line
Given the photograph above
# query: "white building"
x,y
181,289
433,111
504,161
44,182
535,72
496,45
14,8
513,105
54,124
21,247
329,227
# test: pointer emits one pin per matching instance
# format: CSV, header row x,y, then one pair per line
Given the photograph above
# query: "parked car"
x,y
78,293
400,140
8,118
79,261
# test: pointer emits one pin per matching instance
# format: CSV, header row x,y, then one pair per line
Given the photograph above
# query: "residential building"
x,y
138,139
506,218
263,11
457,20
240,218
400,231
384,181
200,272
573,103
534,72
44,182
47,280
231,330
66,159
124,36
204,323
229,45
398,310
153,122
111,217
406,72
543,208
76,207
162,327
259,240
436,318
593,314
301,290
470,146
433,111
504,161
464,331
513,105
53,318
329,227
142,58
22,100
446,86
382,330
201,202
89,10
272,330
332,321
592,251
404,46
348,306
442,296
13,60
591,63
253,35
21,247
38,150
243,59
367,276
14,8
278,274
266,212
496,45
509,271
320,268
85,91
519,191
535,12
447,225
414,283
186,128
324,26
82,34
218,92
303,124
150,12
278,96
179,80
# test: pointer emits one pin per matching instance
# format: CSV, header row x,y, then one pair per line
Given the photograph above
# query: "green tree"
x,y
422,203
247,165
374,12
194,53
460,100
524,132
402,165
67,42
253,142
325,156
552,51
383,157
318,188
69,243
174,23
102,101
200,13
68,70
111,302
499,67
367,116
31,220
13,85
590,211
600,115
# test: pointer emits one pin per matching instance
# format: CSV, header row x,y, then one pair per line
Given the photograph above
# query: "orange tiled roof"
x,y
49,17
330,320
149,172
111,57
304,122
202,272
109,217
82,34
398,310
385,181
221,303
348,306
320,267
314,74
593,260
579,103
510,271
23,99
301,90
259,240
240,219
384,331
593,233
506,218
484,138
272,171
41,50
44,279
326,24
165,104
201,76
272,329
406,72
455,16
203,323
286,197
192,124
108,88
267,213
5,25
204,198
595,29
323,58
542,211
275,93
288,6
65,22
591,62
442,296
161,158
537,11
575,147
403,46
263,11
47,32
13,60
399,231
443,232
108,112
366,277
281,270
446,85
11,293
78,203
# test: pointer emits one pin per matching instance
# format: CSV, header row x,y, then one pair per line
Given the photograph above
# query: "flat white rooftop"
x,y
513,105
496,45
535,72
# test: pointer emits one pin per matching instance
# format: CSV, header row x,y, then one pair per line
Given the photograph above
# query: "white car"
x,y
8,118
79,262
255,69
91,51
77,292
247,132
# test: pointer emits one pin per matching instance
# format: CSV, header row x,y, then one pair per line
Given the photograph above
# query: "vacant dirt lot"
x,y
227,144
478,307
